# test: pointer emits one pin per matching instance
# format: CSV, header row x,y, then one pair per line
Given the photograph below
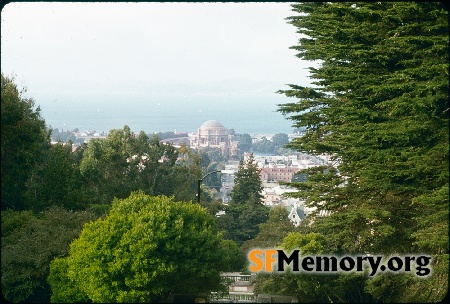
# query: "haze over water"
x,y
253,117
154,66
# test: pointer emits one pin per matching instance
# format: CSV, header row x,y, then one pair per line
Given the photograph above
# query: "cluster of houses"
x,y
273,170
88,135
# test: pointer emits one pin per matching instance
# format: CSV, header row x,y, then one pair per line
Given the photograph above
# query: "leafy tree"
x,y
245,142
379,106
431,236
210,200
272,232
310,243
280,140
104,165
271,235
124,162
263,145
212,155
233,260
56,181
145,250
24,139
161,161
29,243
213,181
205,159
64,290
186,174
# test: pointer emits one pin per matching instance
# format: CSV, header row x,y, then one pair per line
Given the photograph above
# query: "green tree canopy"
x,y
145,250
263,145
280,140
313,287
245,142
272,232
24,139
29,243
56,181
233,260
124,162
380,108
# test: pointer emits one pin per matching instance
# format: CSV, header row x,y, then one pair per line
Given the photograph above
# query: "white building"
x,y
214,135
296,213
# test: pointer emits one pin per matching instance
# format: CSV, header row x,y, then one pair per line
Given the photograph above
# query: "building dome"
x,y
213,128
213,134
211,124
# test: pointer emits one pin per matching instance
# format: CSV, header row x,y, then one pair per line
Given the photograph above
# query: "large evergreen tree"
x,y
245,211
247,183
379,105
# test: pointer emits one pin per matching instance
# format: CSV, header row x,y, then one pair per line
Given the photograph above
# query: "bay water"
x,y
244,115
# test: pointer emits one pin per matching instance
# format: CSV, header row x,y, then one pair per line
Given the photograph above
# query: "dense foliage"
x,y
245,211
379,106
46,181
272,232
124,162
145,250
265,145
56,181
245,142
29,243
24,139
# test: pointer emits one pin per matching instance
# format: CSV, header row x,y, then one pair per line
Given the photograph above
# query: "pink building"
x,y
277,174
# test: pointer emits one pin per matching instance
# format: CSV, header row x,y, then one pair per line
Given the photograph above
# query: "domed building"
x,y
214,135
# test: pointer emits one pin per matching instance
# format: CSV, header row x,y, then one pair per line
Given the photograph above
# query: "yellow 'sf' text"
x,y
262,260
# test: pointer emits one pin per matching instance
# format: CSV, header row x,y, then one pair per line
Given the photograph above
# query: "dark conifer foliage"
x,y
379,106
246,211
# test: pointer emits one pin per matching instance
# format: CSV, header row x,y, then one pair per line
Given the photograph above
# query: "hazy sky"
x,y
88,56
61,49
